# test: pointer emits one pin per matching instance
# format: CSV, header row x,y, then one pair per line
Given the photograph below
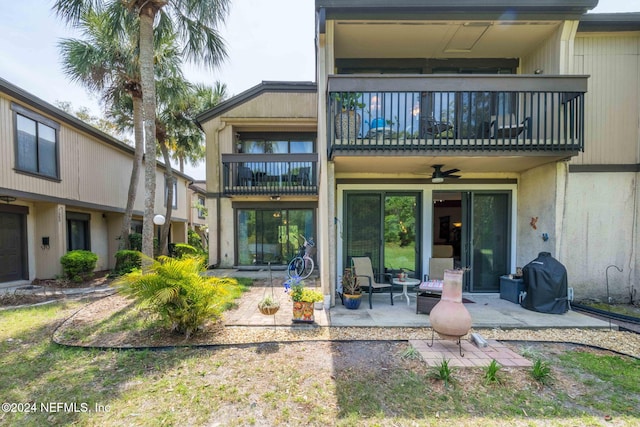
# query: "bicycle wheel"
x,y
307,268
296,267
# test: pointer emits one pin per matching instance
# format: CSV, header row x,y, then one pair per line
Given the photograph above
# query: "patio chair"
x,y
437,266
304,176
506,126
245,176
366,278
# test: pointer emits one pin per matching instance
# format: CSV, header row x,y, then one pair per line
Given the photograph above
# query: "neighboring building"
x,y
63,186
491,131
198,210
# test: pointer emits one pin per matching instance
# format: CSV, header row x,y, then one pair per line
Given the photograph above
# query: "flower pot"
x,y
303,312
347,124
352,302
269,311
450,318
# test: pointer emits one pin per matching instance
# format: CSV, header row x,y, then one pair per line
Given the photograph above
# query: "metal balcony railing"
x,y
270,174
455,112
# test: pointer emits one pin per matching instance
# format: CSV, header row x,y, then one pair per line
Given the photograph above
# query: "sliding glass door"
x,y
383,226
486,237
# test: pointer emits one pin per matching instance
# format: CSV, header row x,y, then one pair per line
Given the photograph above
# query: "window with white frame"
x,y
36,142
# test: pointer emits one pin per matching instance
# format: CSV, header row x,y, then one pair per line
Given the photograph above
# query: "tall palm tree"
x,y
176,130
196,22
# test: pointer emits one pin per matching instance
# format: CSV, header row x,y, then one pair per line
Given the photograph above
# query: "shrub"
x,y
79,265
194,239
127,261
177,291
135,241
180,250
541,372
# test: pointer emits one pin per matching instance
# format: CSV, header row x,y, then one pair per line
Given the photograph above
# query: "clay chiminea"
x,y
450,318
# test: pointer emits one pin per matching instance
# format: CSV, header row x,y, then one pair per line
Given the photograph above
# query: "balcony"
x,y
475,115
270,174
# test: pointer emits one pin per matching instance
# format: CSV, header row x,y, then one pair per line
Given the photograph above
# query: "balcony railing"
x,y
455,112
270,174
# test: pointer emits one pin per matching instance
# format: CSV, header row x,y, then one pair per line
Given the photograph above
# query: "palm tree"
x,y
176,130
195,21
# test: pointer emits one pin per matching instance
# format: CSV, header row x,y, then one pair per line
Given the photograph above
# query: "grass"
x,y
344,384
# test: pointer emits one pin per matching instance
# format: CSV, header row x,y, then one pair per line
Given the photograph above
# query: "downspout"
x,y
218,209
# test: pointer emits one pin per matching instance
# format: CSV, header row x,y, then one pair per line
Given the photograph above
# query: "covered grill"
x,y
545,281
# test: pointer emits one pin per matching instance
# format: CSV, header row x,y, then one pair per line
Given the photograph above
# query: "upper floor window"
x,y
201,208
174,203
254,143
36,143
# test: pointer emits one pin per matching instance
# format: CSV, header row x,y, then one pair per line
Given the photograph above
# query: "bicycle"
x,y
302,264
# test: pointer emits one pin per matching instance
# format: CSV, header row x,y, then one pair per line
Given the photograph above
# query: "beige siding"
x,y
613,100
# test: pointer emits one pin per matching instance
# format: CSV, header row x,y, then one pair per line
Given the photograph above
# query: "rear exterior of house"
x,y
485,133
63,186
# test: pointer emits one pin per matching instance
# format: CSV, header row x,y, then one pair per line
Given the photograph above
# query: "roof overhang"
x,y
609,22
452,9
262,88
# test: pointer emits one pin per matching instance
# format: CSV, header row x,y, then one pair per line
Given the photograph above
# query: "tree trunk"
x,y
147,16
135,172
164,231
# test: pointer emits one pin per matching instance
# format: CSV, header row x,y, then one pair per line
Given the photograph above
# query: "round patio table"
x,y
405,283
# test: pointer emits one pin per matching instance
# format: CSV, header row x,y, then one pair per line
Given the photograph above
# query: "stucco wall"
x,y
536,199
601,230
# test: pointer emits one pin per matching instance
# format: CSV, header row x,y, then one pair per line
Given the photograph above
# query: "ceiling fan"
x,y
439,175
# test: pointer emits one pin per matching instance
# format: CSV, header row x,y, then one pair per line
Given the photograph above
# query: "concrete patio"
x,y
487,310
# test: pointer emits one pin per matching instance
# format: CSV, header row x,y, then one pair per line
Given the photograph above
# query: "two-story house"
x,y
485,131
63,186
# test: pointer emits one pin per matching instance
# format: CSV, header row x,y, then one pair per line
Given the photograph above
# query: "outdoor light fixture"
x,y
275,198
158,219
8,199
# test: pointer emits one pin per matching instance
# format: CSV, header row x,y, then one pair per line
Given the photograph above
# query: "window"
x,y
174,203
201,208
78,231
36,143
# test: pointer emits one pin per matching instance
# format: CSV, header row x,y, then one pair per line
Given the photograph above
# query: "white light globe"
x,y
158,220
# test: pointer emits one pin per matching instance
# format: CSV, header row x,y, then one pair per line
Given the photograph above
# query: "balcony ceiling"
x,y
440,39
420,166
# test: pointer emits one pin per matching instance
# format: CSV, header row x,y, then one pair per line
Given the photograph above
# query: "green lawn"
x,y
303,383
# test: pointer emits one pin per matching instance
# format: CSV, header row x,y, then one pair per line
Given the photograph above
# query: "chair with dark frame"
x,y
367,279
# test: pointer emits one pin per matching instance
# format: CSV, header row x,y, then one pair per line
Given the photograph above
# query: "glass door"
x,y
486,237
383,226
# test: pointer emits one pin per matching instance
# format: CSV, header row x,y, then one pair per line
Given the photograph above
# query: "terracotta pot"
x,y
450,318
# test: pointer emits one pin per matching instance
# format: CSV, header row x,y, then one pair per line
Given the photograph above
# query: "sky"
x,y
266,40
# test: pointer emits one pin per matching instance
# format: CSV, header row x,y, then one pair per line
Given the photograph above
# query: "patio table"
x,y
405,282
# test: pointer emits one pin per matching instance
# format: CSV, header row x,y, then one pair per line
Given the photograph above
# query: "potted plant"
x,y
268,305
348,120
351,291
303,299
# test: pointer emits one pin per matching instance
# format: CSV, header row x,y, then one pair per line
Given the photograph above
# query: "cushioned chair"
x,y
366,278
437,266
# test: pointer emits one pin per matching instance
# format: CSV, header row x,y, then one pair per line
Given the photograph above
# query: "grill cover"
x,y
545,280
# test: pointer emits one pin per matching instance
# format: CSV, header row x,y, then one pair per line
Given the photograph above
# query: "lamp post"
x,y
159,219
